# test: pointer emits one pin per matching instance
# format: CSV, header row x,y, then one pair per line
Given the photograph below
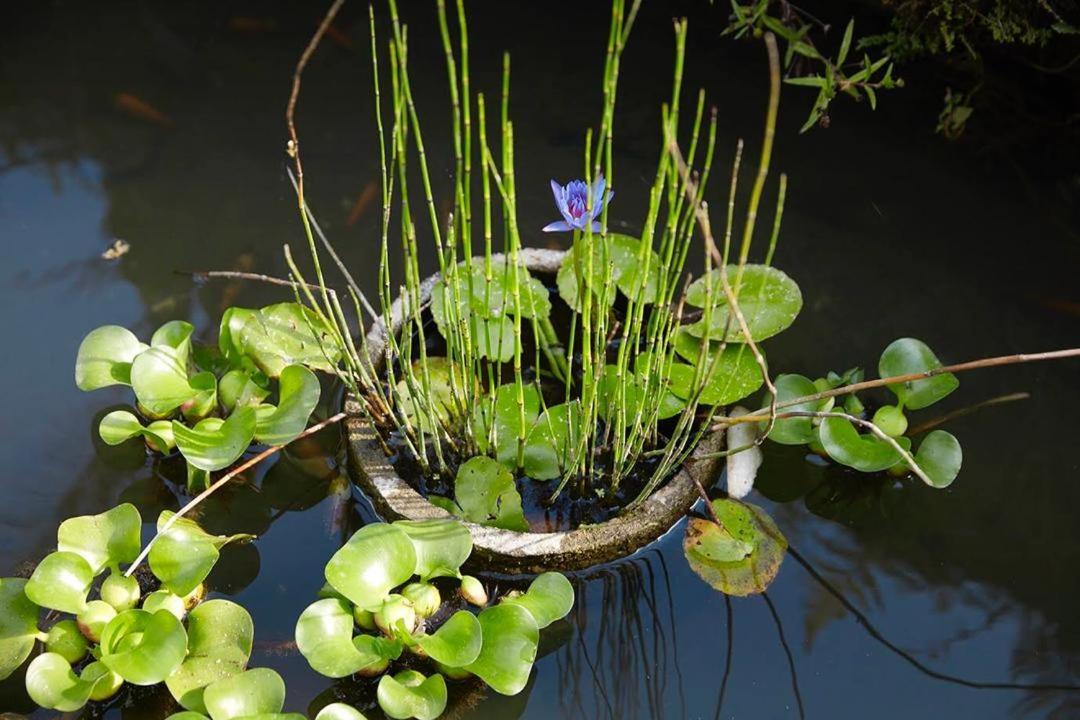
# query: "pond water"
x,y
898,600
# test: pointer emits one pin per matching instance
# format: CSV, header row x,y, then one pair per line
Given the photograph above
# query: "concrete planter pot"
x,y
516,552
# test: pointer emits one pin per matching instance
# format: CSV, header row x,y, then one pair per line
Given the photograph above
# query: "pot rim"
x,y
508,550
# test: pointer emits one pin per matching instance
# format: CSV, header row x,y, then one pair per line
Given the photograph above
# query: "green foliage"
x,y
769,300
742,555
18,625
409,694
184,554
620,260
487,494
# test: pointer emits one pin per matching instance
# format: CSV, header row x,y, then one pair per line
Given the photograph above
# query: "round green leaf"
x,y
410,695
435,371
110,538
18,625
324,636
441,545
220,635
508,420
61,581
377,558
796,430
340,711
165,600
51,683
159,377
214,444
547,447
299,390
729,375
549,598
486,492
940,457
285,334
742,557
143,648
625,256
846,446
907,356
473,294
204,401
252,692
105,357
182,556
510,637
769,300
457,643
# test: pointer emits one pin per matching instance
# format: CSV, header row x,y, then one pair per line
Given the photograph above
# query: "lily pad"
x,y
251,693
907,356
742,557
159,377
120,426
508,420
377,558
457,643
299,391
436,370
61,581
549,598
509,648
409,694
624,254
476,295
143,648
18,625
486,492
940,457
324,636
184,555
220,635
769,300
105,357
107,539
546,448
214,444
285,334
441,546
865,453
729,375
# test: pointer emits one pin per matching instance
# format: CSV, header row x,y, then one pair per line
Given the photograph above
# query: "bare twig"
x,y
238,275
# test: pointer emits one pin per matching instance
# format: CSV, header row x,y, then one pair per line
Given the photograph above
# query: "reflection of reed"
x,y
626,651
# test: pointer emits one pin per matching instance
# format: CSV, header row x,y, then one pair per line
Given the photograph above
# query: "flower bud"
x,y
396,613
120,591
94,618
424,597
473,591
66,641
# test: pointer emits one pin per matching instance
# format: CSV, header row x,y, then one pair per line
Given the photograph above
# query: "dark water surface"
x,y
889,230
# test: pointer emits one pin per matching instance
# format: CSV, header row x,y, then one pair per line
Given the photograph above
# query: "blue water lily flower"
x,y
573,202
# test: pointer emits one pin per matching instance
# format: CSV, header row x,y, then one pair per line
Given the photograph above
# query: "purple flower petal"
x,y
557,226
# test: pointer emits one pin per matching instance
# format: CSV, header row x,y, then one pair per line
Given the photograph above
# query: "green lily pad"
x,y
259,691
220,636
907,356
486,492
214,444
742,557
457,643
105,357
299,391
510,638
184,555
120,426
475,296
865,453
729,375
159,377
143,648
52,684
107,539
624,254
940,457
441,545
61,581
281,335
409,694
324,636
377,558
769,300
546,447
240,388
436,370
549,598
508,420
796,430
18,625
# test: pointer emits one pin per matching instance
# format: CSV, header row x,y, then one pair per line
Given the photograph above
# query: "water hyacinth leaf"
x,y
795,430
486,492
846,446
205,399
907,356
214,443
510,638
377,558
159,377
769,300
620,253
549,598
120,426
220,636
508,421
717,556
441,545
340,711
52,684
143,648
230,335
105,357
408,694
18,625
253,692
299,390
175,334
324,636
240,388
184,554
286,334
457,643
940,457
61,581
107,539
546,447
